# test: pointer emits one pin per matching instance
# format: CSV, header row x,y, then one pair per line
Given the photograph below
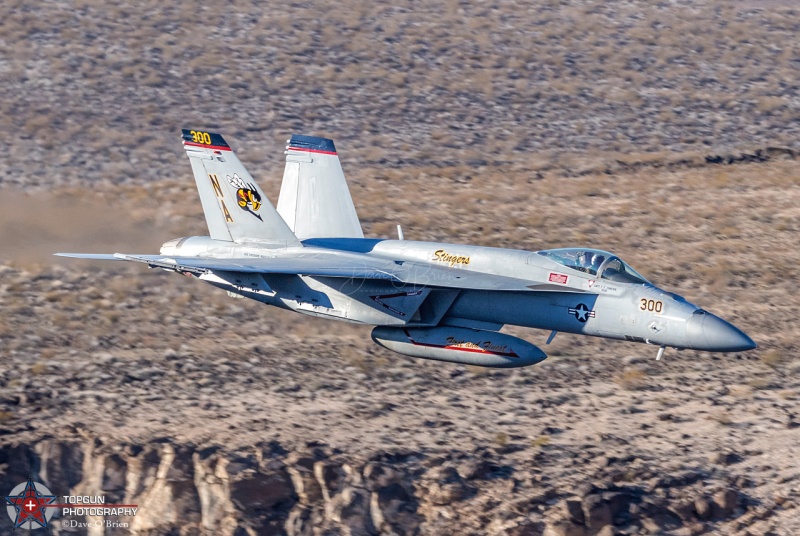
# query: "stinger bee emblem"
x,y
247,196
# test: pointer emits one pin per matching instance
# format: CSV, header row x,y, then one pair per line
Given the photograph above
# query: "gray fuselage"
x,y
572,299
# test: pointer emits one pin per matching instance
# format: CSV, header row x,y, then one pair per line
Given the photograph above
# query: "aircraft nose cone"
x,y
710,332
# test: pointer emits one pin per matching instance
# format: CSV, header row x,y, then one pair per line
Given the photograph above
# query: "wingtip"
x,y
90,256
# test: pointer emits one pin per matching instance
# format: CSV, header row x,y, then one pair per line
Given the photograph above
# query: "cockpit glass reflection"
x,y
601,264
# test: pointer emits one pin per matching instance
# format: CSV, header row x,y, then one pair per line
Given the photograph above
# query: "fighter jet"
x,y
432,300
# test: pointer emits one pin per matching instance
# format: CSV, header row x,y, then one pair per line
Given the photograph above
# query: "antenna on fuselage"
x,y
400,232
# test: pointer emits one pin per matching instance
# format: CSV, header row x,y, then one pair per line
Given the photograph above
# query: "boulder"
x,y
20,461
170,496
472,468
619,502
685,510
444,494
564,528
331,478
725,458
724,503
597,512
394,508
210,478
378,475
305,484
61,463
143,470
113,480
443,485
656,513
528,528
262,491
180,478
351,509
266,496
702,508
298,522
574,511
661,522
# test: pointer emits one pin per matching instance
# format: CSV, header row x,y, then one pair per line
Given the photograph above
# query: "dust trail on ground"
x,y
34,226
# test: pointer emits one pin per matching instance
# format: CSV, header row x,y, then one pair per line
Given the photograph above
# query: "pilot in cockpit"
x,y
597,261
583,261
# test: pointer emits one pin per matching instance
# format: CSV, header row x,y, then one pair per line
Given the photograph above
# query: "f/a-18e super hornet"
x,y
426,299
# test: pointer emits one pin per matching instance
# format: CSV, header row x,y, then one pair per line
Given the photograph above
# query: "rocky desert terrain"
x,y
666,132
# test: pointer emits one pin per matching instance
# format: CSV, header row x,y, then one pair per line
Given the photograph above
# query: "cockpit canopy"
x,y
602,264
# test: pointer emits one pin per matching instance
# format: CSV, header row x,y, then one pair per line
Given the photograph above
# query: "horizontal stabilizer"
x,y
90,256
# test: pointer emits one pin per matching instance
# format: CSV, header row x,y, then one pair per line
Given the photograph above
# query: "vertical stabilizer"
x,y
234,205
315,201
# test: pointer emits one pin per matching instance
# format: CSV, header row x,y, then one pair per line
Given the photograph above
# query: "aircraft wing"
x,y
312,266
361,267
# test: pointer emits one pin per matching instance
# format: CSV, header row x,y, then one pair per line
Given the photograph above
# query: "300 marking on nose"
x,y
654,306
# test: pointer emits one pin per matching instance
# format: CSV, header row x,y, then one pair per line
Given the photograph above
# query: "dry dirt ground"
x,y
665,133
128,355
97,91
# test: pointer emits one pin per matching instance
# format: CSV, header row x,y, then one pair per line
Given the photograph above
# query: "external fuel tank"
x,y
460,345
